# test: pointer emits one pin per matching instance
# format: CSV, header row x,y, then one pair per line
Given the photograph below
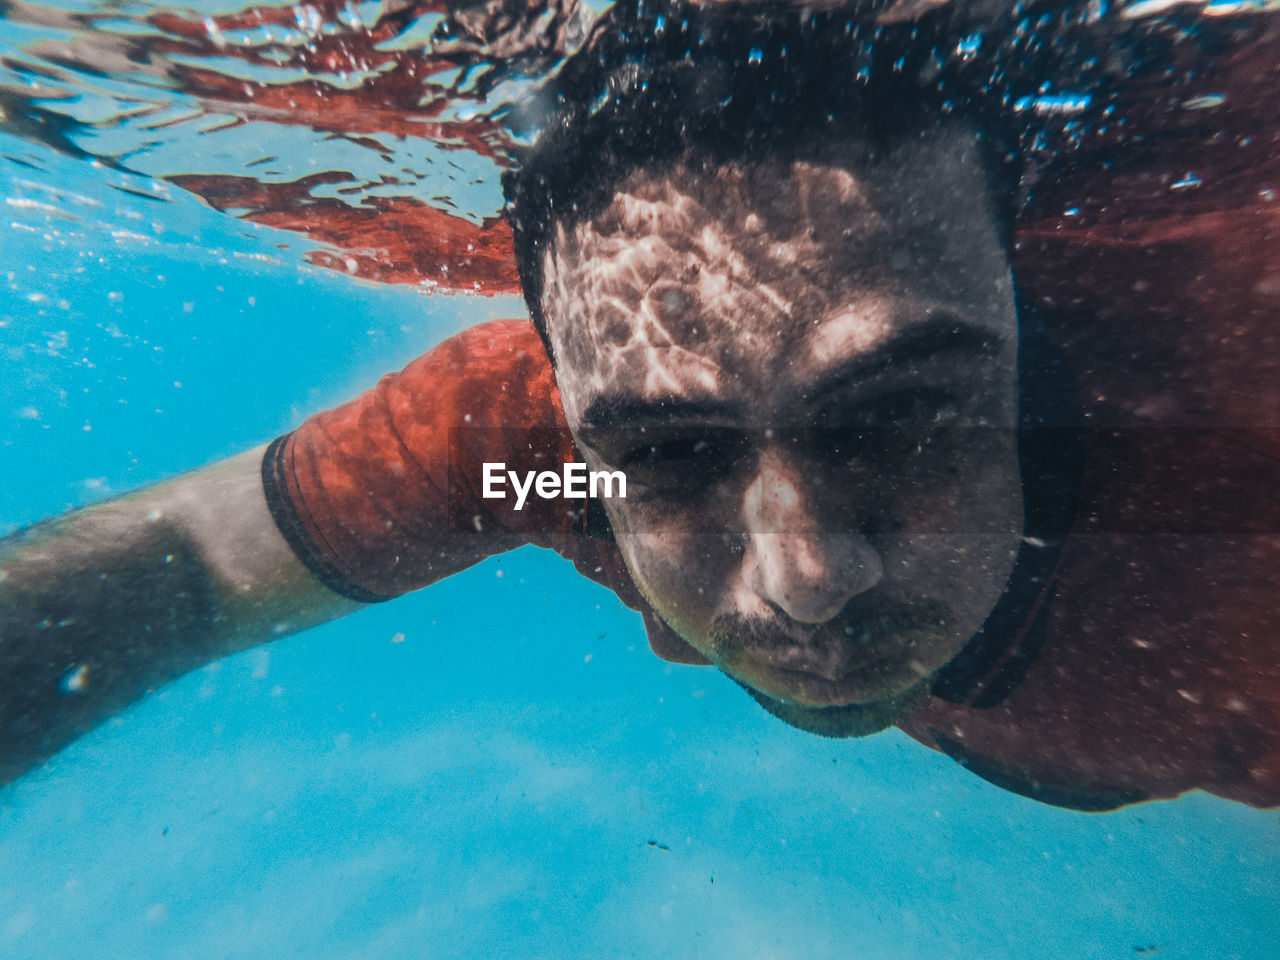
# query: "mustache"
x,y
868,621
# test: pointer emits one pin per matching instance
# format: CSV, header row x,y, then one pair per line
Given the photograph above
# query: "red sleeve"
x,y
369,494
382,495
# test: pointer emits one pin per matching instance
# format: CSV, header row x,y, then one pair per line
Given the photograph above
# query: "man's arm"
x,y
379,496
107,603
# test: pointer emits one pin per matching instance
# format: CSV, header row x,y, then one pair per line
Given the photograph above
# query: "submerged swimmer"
x,y
774,292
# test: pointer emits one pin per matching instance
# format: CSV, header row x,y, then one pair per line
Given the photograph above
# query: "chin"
x,y
851,720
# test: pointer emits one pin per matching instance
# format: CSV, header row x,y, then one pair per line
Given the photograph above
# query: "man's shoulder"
x,y
494,375
498,340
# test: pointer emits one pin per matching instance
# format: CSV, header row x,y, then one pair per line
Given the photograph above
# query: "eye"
x,y
686,460
904,410
889,425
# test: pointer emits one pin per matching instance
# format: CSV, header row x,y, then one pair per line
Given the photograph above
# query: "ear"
x,y
666,643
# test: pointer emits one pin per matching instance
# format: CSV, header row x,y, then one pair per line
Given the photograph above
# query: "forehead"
x,y
714,279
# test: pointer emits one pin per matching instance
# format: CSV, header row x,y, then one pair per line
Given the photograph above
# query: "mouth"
x,y
863,684
872,651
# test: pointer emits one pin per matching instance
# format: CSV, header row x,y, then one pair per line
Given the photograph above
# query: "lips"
x,y
873,649
866,683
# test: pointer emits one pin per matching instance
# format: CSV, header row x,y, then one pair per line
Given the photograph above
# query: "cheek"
x,y
968,571
960,535
963,481
683,575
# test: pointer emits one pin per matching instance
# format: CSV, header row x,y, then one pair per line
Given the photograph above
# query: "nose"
x,y
790,560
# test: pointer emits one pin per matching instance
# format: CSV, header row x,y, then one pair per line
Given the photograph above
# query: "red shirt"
x,y
1156,670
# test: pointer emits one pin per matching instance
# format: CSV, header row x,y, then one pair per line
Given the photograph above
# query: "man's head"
x,y
794,330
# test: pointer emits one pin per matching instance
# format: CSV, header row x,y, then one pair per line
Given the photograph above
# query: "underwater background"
x,y
497,765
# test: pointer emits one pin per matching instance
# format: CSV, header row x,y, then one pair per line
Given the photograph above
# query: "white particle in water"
x,y
75,680
1204,102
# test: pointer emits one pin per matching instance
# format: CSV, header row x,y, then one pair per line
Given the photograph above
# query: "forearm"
x,y
105,604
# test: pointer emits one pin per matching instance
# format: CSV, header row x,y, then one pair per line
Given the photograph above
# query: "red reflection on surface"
x,y
394,95
352,88
386,239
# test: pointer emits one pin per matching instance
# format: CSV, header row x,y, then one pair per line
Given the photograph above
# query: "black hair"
x,y
662,80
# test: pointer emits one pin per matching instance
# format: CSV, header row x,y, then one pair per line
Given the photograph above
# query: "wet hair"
x,y
661,82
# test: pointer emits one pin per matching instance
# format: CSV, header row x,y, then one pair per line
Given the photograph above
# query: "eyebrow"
x,y
607,412
940,335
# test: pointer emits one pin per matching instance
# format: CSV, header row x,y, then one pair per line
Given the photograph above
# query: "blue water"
x,y
496,766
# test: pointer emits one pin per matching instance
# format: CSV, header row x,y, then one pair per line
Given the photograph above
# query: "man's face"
x,y
807,372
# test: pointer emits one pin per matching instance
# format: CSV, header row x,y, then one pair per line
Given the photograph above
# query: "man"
x,y
768,260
